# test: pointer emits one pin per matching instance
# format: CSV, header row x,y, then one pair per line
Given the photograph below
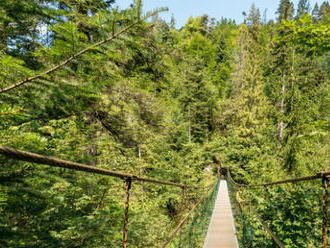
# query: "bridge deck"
x,y
221,232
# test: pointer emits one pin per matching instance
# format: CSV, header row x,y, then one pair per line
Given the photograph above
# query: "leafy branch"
x,y
87,49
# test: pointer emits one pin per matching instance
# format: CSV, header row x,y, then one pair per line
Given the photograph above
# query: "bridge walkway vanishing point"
x,y
221,232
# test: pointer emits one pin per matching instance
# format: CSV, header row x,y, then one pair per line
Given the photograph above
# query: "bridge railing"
x,y
128,178
324,176
200,213
192,230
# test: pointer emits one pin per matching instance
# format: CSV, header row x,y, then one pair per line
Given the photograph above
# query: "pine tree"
x,y
244,113
324,13
20,29
316,11
254,16
303,8
197,100
157,102
285,10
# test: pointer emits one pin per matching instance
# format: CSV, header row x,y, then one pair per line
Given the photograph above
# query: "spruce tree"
x,y
246,122
303,8
158,102
254,16
285,10
316,11
324,13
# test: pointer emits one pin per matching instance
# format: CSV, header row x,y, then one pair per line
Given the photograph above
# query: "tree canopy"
x,y
122,90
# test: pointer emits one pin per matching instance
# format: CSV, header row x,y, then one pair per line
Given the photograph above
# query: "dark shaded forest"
x,y
124,90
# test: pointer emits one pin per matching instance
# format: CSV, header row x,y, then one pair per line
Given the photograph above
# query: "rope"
x,y
248,231
55,162
265,226
195,207
196,231
319,175
263,223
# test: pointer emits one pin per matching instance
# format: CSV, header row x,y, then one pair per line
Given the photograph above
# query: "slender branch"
x,y
101,200
73,57
11,112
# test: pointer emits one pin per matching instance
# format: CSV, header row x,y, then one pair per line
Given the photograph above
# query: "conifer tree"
x,y
20,29
316,11
254,16
303,8
285,10
324,12
157,102
246,124
291,63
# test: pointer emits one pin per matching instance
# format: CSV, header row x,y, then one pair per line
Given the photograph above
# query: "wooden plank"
x,y
221,232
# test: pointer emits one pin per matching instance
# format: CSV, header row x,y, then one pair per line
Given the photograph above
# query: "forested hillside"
x,y
123,90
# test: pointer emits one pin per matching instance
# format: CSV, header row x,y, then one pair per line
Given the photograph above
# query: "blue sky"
x,y
183,9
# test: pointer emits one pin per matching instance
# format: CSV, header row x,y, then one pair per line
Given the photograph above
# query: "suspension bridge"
x,y
211,220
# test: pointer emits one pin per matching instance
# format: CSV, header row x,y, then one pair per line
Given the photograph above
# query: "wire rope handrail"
x,y
321,175
185,219
55,162
128,178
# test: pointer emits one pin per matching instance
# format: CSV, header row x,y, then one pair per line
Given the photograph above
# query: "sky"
x,y
183,9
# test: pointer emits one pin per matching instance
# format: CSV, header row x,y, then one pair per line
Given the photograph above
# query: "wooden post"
x,y
324,210
128,184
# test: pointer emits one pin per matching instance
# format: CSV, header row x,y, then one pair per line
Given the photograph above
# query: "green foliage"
x,y
292,212
285,10
194,230
295,209
158,102
305,34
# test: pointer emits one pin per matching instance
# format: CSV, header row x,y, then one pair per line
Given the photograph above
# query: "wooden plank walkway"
x,y
221,232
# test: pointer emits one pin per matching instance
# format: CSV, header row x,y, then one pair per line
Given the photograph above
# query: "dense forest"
x,y
84,81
